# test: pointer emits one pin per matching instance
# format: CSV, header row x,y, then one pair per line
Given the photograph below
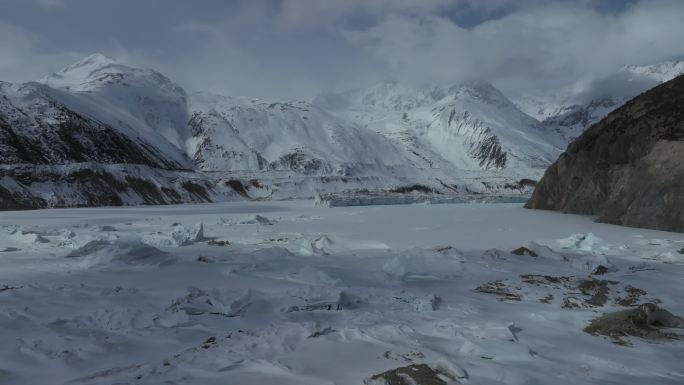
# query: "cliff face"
x,y
628,169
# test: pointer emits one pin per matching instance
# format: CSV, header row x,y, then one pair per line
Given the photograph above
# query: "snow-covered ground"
x,y
290,293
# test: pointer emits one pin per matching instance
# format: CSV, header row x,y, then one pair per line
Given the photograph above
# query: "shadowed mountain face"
x,y
628,169
38,127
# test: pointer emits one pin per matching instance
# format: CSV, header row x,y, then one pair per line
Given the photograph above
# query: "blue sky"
x,y
296,48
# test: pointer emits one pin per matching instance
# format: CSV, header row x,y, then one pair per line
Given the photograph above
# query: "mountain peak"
x,y
97,71
75,76
660,72
93,60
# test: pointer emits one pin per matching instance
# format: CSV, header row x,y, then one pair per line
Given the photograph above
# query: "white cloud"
x,y
295,48
543,46
50,3
23,59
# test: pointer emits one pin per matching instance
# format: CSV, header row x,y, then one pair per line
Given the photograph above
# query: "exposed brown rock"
x,y
524,251
628,169
419,374
499,289
645,321
600,270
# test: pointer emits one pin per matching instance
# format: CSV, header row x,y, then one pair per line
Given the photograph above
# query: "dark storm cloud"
x,y
295,48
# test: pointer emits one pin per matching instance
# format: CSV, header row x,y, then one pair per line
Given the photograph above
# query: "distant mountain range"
x,y
103,133
571,112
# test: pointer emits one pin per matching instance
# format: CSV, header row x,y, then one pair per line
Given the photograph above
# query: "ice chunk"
x,y
311,275
589,262
495,255
580,250
669,257
437,263
319,246
255,220
185,235
128,250
180,235
22,236
322,245
198,302
580,242
446,366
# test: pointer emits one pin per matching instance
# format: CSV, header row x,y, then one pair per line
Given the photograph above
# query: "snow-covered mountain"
x,y
468,127
96,133
661,72
570,112
141,101
101,132
42,125
235,134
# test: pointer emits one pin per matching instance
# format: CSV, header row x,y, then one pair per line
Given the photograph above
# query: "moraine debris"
x,y
524,251
633,296
500,289
597,290
215,242
418,374
645,321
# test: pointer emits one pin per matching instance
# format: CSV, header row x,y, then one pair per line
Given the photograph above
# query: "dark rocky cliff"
x,y
628,169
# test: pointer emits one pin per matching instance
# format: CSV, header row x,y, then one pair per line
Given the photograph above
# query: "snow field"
x,y
290,293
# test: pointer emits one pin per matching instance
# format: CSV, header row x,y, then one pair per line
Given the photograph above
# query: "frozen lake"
x,y
291,293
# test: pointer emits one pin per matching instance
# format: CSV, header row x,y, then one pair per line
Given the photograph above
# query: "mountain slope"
x,y
140,102
82,146
469,128
628,169
37,126
232,134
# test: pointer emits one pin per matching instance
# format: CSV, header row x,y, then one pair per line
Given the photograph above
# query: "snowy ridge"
x,y
660,72
468,128
143,99
571,111
42,125
239,134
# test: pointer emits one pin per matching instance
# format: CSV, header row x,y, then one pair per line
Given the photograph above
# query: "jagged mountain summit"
x,y
628,169
471,127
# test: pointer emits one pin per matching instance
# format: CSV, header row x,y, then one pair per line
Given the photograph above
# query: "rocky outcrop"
x,y
644,321
37,127
628,169
29,186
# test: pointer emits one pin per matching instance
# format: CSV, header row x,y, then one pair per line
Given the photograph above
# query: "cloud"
x,y
301,47
23,58
50,3
541,47
296,48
